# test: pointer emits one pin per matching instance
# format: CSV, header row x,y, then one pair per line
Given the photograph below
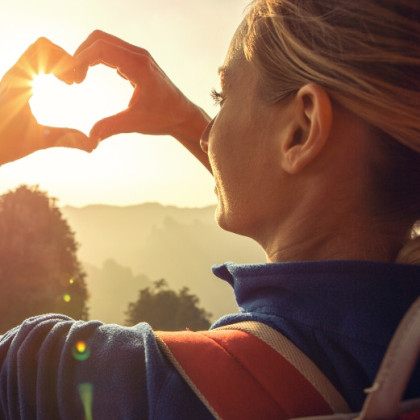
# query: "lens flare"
x,y
71,281
81,346
66,298
86,395
81,351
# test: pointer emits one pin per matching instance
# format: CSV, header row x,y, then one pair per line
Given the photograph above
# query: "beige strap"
x,y
286,350
383,401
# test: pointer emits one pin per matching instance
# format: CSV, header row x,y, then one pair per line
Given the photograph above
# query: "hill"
x,y
154,241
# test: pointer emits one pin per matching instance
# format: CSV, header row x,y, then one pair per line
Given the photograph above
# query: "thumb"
x,y
68,137
116,124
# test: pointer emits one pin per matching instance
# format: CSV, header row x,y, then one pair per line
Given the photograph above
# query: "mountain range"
x,y
124,249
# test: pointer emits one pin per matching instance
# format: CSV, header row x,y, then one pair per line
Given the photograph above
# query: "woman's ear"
x,y
309,128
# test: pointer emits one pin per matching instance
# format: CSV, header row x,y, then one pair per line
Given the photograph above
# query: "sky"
x,y
187,38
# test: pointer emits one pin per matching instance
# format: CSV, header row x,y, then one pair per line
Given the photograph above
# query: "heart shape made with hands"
x,y
103,93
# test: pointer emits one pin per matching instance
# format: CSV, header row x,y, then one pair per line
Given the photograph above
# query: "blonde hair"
x,y
365,54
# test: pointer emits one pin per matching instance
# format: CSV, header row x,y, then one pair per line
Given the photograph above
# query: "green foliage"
x,y
164,309
39,270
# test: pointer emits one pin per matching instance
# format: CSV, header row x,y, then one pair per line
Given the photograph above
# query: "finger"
x,y
94,42
116,124
80,70
129,64
100,35
65,137
43,56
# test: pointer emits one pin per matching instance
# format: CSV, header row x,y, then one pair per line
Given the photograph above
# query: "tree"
x,y
164,309
39,270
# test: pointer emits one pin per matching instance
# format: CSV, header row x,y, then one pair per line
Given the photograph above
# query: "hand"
x,y
20,133
157,105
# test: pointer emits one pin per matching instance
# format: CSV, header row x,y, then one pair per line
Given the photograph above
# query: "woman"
x,y
315,156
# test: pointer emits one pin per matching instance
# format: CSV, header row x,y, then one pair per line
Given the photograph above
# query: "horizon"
x,y
137,205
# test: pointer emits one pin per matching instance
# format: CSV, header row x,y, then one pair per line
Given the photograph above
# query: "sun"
x,y
51,103
101,94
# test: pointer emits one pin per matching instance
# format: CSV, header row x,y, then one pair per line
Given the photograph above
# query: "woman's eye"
x,y
218,97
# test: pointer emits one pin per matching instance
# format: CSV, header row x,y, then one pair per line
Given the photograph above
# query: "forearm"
x,y
45,373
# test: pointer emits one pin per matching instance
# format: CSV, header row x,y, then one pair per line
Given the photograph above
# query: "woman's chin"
x,y
221,216
228,221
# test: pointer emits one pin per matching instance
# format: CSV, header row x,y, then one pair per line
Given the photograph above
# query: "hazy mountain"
x,y
111,287
154,241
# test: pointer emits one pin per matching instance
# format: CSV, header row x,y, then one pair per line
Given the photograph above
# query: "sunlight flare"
x,y
81,351
79,106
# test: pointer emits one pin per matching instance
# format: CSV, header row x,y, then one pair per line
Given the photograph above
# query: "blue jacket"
x,y
342,314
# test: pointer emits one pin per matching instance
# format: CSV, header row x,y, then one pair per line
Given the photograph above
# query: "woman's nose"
x,y
204,145
204,141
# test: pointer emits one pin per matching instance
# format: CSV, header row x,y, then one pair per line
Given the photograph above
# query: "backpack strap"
x,y
385,395
249,370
